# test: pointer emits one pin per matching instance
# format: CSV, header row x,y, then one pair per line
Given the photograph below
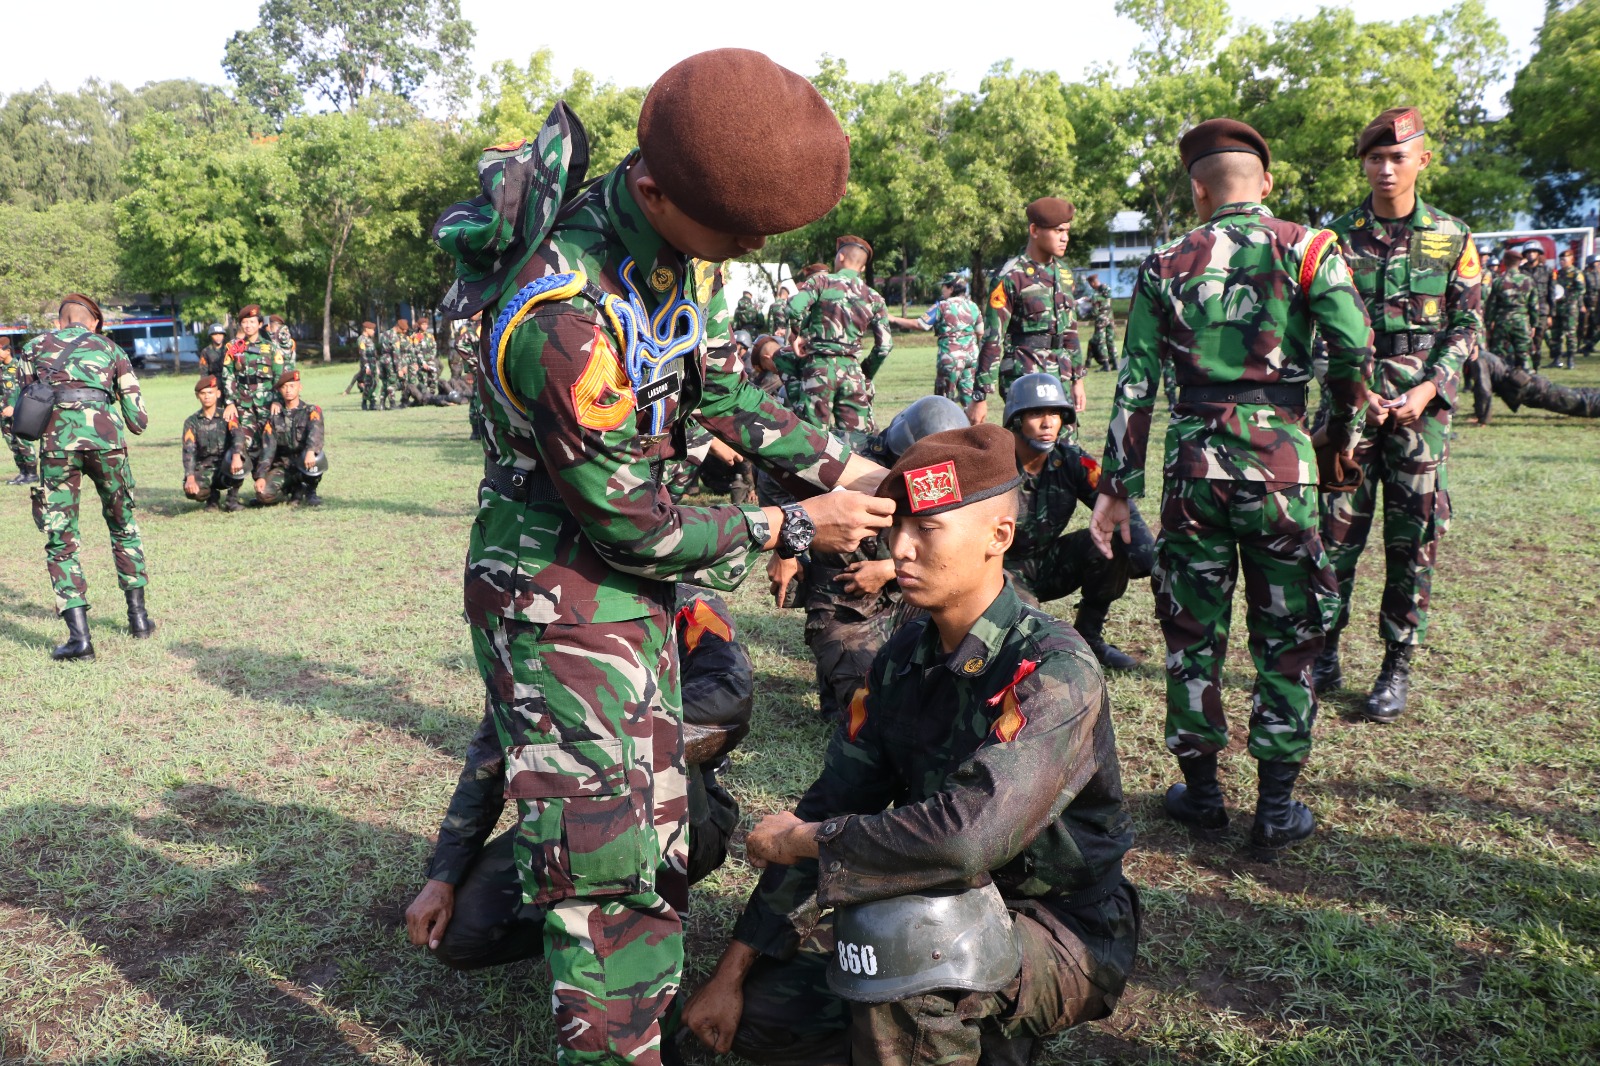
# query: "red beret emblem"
x,y
1405,126
932,486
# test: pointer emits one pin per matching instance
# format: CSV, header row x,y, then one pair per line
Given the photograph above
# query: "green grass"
x,y
207,839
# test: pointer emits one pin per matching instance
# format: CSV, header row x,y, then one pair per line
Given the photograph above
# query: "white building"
x,y
1117,262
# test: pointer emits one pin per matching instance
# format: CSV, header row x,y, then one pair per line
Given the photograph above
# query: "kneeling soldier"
x,y
292,463
213,450
980,750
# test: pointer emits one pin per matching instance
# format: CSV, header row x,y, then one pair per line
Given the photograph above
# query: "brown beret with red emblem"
x,y
1051,211
249,311
207,382
743,145
1217,135
1395,126
944,471
288,376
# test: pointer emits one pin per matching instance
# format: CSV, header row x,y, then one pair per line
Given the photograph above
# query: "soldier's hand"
x,y
1080,396
845,519
261,486
190,485
724,454
1377,413
867,577
5,413
781,838
1110,515
230,413
238,466
429,914
780,573
978,412
1416,402
714,1010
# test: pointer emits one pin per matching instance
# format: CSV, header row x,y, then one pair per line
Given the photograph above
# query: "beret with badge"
x,y
288,376
207,382
1395,126
945,471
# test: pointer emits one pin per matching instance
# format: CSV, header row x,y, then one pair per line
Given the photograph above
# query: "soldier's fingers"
x,y
879,506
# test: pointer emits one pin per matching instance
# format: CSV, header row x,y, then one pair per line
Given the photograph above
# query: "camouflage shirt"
x,y
464,339
367,351
1417,275
250,373
1234,300
1541,276
1029,304
97,363
778,315
998,758
747,315
283,340
560,399
718,688
10,372
1574,289
1046,500
395,347
1512,296
957,326
834,312
288,434
424,350
1100,302
205,440
212,357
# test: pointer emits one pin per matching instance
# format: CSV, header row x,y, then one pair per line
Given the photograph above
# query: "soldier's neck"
x,y
955,620
1039,255
208,412
1400,205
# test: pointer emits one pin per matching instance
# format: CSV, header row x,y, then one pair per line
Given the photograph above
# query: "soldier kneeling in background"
x,y
292,461
213,451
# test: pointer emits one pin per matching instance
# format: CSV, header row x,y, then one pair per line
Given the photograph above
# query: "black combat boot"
x,y
1326,673
1197,803
139,624
1091,624
232,503
78,645
1388,699
1281,819
308,493
25,476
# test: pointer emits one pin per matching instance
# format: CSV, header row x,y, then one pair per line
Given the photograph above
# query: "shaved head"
x,y
851,257
1228,178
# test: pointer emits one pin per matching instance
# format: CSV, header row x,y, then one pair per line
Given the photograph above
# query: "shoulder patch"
x,y
1471,264
698,619
1092,469
601,396
1316,251
316,413
997,298
1011,720
858,715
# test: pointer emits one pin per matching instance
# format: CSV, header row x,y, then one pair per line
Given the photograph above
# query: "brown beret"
x,y
207,382
5,344
944,471
401,323
249,311
1050,212
743,145
87,304
813,270
1395,126
1222,135
369,325
850,239
276,320
288,376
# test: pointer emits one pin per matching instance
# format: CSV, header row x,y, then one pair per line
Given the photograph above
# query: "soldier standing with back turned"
x,y
957,326
1232,305
832,313
1421,279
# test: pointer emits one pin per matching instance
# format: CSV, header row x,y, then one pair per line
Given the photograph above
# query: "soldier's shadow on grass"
x,y
308,684
286,932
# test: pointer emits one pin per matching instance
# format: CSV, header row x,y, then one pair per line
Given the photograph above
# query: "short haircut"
x,y
1229,170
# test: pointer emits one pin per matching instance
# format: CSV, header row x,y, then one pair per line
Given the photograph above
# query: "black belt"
x,y
1036,341
1244,392
250,379
1402,343
88,394
524,486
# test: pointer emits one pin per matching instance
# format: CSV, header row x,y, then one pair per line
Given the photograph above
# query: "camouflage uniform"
x,y
833,312
1565,336
466,342
209,445
425,352
394,354
1103,345
212,357
1518,388
1541,276
1240,482
21,450
491,925
570,563
249,383
288,436
367,351
1421,280
747,315
84,439
1591,307
957,325
778,315
282,340
1510,308
1029,325
999,759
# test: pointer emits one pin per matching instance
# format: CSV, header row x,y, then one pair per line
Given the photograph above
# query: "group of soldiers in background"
x,y
401,366
1532,306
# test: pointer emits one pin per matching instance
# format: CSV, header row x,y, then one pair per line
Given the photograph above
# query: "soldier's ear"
x,y
1266,184
1425,159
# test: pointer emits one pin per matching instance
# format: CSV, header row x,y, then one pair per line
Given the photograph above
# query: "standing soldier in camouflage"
x,y
778,313
1028,326
1103,345
464,338
1511,307
248,373
957,326
1536,268
213,451
278,332
292,460
1591,305
981,746
425,349
832,313
94,385
394,352
610,328
1232,304
213,355
21,450
1566,333
747,315
367,353
1421,278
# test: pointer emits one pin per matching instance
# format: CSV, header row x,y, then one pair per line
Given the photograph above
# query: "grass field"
x,y
207,839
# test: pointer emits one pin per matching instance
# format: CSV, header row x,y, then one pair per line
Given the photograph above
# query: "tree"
x,y
66,247
1555,102
517,99
339,51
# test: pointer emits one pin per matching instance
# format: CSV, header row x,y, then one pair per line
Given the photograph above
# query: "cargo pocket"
x,y
583,830
1322,584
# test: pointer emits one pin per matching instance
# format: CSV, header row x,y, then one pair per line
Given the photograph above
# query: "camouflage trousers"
x,y
834,393
253,419
1565,336
61,476
1408,465
1072,562
590,718
389,382
844,643
1509,338
792,1018
213,477
1210,532
956,377
21,450
1103,347
1018,362
285,481
369,387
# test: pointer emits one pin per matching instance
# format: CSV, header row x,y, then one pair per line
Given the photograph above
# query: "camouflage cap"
x,y
1217,135
288,376
1395,126
944,471
952,278
743,145
207,382
84,302
1051,211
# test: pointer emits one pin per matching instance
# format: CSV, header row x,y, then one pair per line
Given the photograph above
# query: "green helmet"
x,y
1033,391
890,949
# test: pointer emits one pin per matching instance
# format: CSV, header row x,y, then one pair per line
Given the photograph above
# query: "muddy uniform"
x,y
209,445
